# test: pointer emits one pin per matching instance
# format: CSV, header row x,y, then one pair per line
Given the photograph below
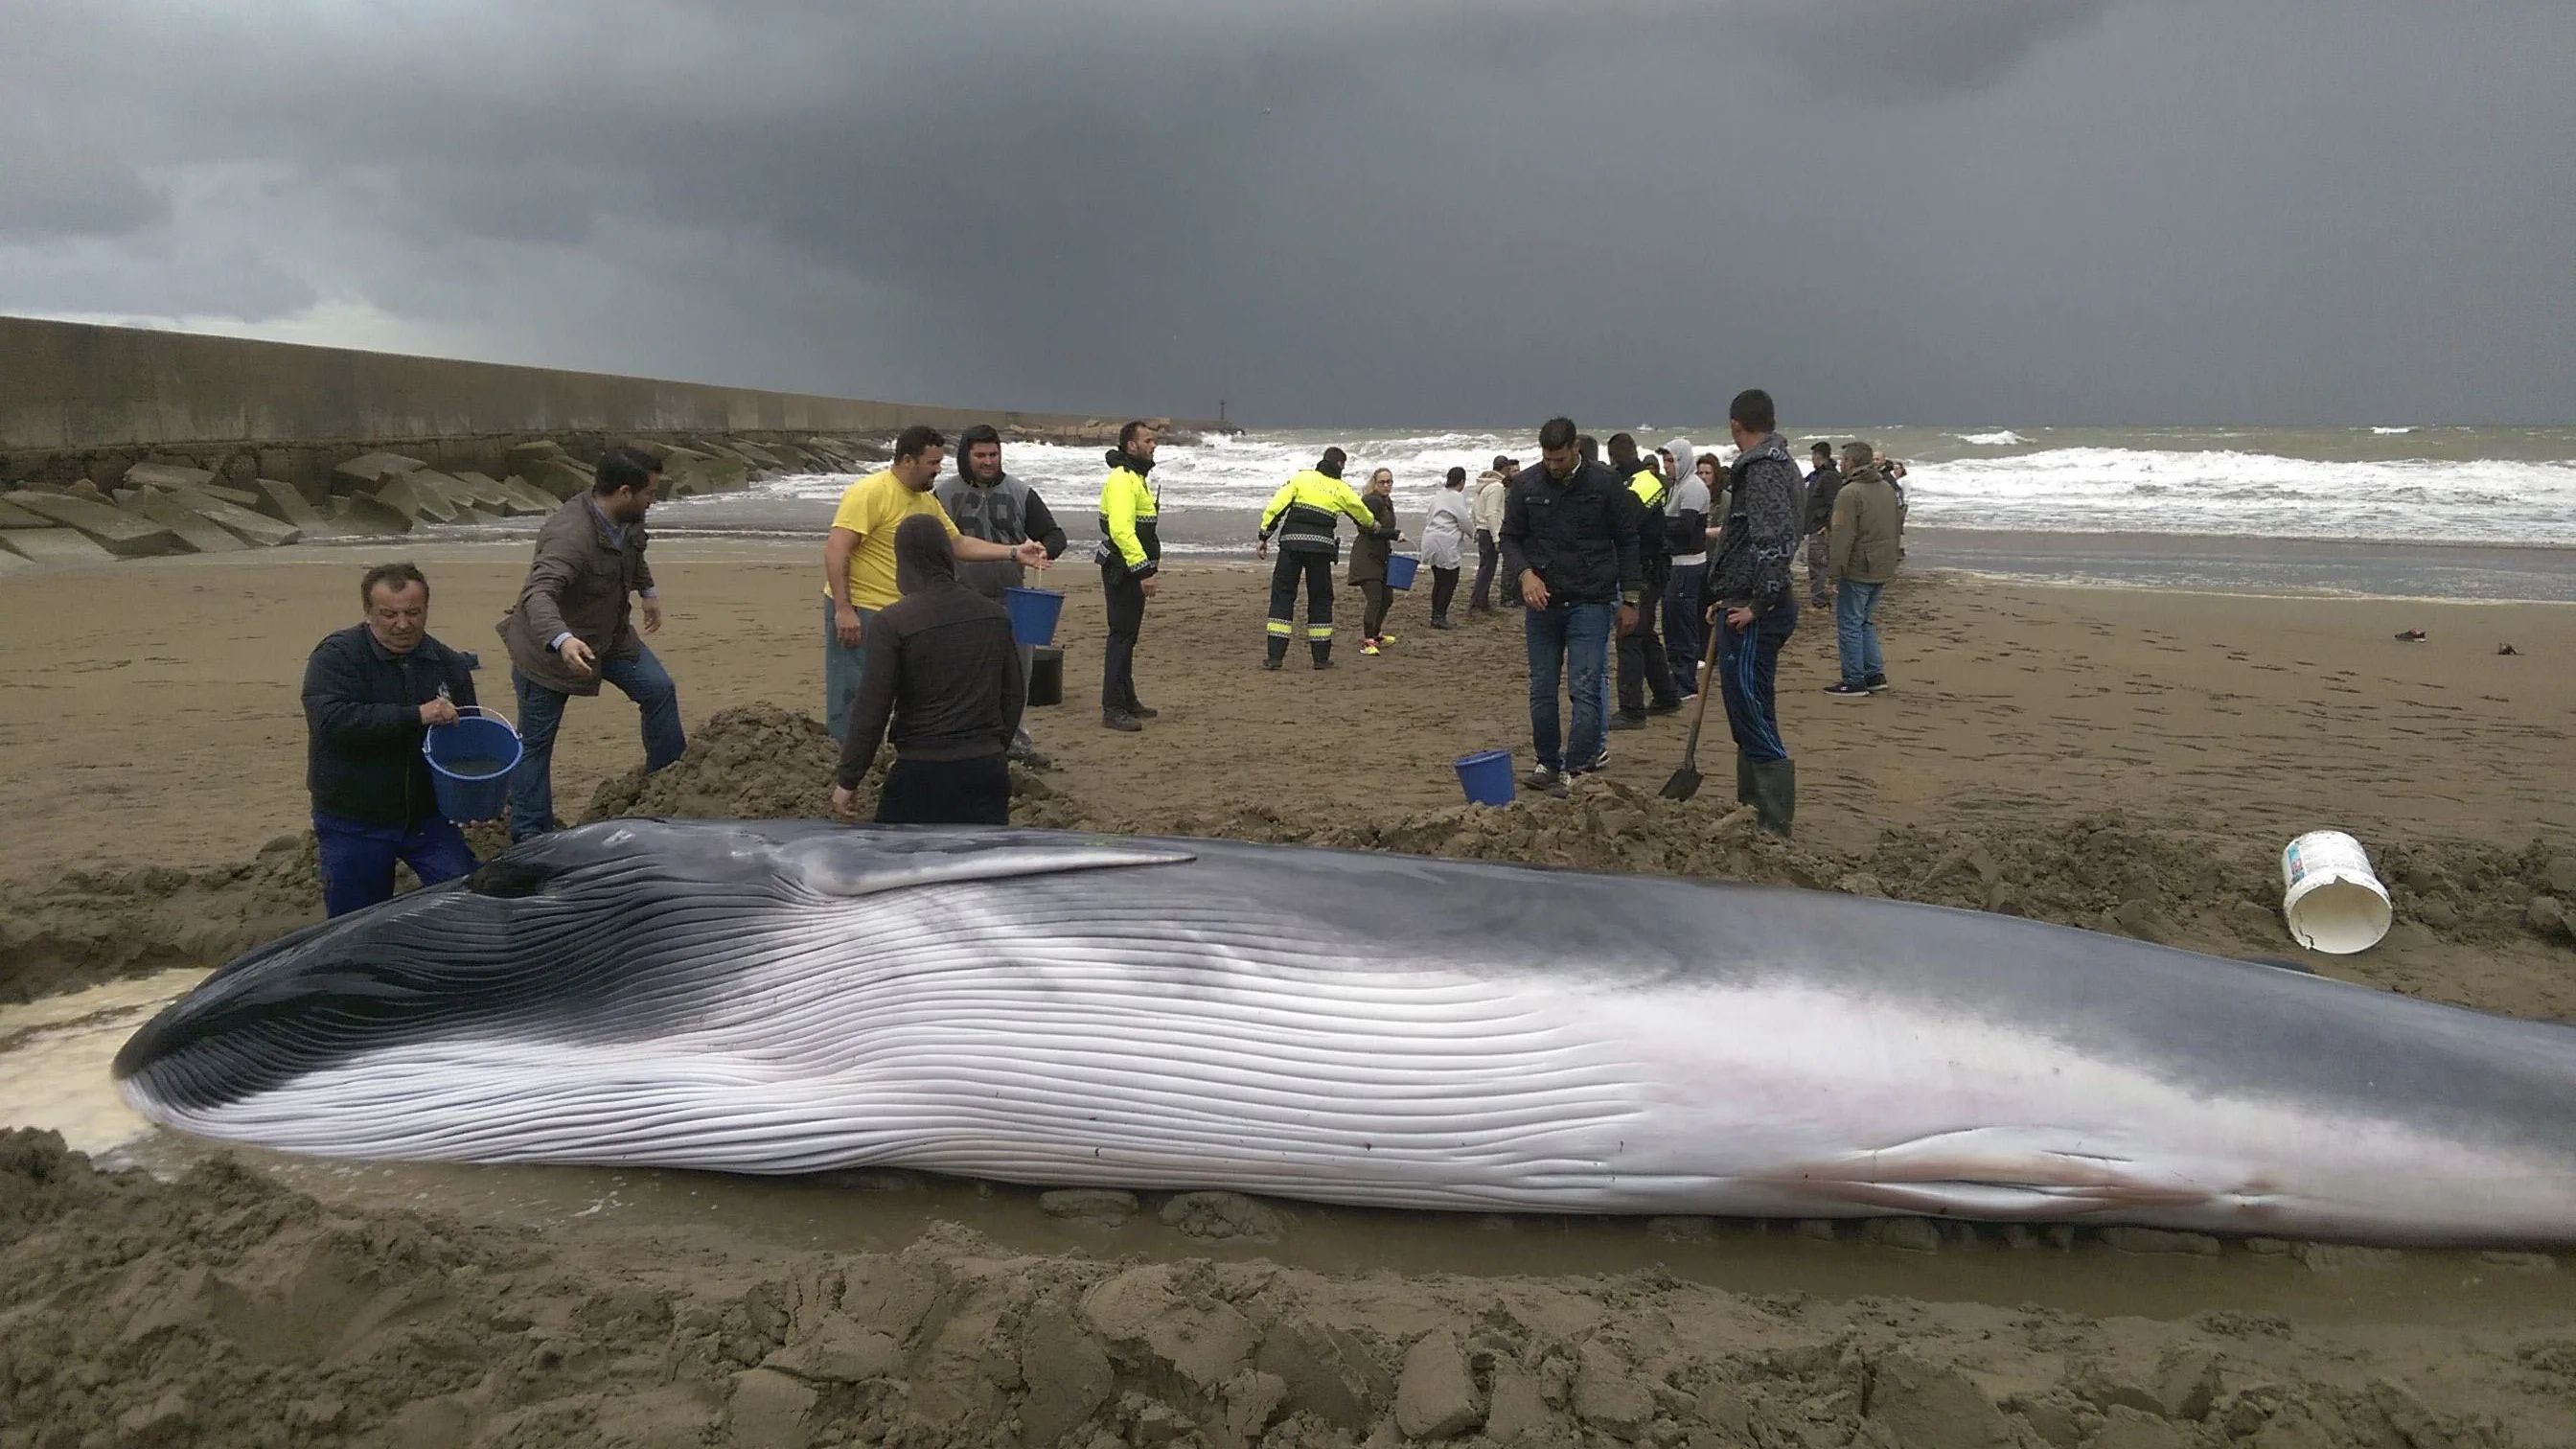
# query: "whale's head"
x,y
577,942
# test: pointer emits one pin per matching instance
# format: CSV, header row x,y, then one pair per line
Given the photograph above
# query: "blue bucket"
x,y
1486,776
470,763
1033,614
1399,570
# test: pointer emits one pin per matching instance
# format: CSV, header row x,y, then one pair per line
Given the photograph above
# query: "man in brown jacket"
x,y
571,630
1866,546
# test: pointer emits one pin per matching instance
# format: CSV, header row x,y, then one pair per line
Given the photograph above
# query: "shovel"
x,y
1685,781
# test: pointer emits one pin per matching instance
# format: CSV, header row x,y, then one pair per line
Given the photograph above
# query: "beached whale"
x,y
1355,1028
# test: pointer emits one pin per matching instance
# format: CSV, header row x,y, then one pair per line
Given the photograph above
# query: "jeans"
x,y
532,785
843,668
1571,643
358,858
1748,670
1683,642
1855,632
946,792
1126,607
1488,554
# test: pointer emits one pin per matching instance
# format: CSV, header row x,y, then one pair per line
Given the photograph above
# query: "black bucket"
x,y
1046,676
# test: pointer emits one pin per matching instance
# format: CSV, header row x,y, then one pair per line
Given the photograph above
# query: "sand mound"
x,y
222,1309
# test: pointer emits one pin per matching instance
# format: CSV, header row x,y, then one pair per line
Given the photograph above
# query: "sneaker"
x,y
1626,721
1544,781
1665,706
1592,766
1141,712
1848,691
1875,684
1442,623
1120,721
1386,638
1369,648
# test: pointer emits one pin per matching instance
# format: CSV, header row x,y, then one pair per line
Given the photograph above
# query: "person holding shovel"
x,y
1753,607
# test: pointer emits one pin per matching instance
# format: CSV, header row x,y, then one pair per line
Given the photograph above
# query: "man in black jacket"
x,y
1755,607
1569,545
371,692
988,503
1822,484
944,674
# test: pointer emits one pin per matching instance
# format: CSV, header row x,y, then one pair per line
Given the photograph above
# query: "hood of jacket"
x,y
923,556
1121,458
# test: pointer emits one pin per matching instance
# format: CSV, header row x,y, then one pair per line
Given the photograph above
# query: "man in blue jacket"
x,y
371,692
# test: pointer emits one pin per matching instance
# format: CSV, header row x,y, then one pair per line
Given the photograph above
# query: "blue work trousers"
x,y
358,859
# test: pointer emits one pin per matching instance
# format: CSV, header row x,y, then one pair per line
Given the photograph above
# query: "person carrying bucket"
x,y
372,692
1305,514
987,503
1368,561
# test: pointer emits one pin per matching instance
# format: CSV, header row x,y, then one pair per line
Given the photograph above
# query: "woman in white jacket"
x,y
1487,511
1444,543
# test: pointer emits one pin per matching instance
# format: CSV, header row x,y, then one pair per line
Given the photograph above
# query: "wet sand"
x,y
2119,758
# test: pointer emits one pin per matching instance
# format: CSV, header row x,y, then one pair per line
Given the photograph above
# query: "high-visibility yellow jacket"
x,y
1651,493
1127,529
1306,510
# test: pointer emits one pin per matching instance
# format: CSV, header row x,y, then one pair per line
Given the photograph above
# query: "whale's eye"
x,y
508,879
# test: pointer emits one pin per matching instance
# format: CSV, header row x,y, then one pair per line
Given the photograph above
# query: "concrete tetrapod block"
x,y
558,478
281,501
10,563
250,527
166,475
13,516
54,545
360,513
523,499
419,501
366,470
194,529
482,488
127,535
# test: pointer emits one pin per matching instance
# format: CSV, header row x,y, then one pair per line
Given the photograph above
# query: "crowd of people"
x,y
1648,576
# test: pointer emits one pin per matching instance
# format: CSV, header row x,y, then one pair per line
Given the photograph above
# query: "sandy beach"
x,y
2122,759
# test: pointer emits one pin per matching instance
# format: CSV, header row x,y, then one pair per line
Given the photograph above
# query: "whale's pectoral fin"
x,y
1991,1174
865,863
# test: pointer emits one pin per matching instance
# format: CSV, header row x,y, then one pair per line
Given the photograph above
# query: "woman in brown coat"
x,y
1368,560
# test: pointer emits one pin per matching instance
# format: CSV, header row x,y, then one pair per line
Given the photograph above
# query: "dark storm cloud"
x,y
2115,210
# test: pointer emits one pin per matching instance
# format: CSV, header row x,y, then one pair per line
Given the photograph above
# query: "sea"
x,y
2401,509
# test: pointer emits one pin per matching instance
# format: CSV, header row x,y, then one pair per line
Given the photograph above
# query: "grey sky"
x,y
1349,212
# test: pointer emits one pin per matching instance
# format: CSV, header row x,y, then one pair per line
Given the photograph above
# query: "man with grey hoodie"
x,y
1755,608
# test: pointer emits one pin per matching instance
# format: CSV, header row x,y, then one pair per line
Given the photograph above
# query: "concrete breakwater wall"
x,y
118,442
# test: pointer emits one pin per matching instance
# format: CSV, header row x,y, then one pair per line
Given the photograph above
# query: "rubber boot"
x,y
1278,654
1775,796
1743,779
1323,649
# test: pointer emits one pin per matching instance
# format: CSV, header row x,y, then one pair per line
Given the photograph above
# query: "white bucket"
x,y
2334,903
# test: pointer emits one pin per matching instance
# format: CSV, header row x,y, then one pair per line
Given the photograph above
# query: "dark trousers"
x,y
1126,606
1488,554
1683,643
1748,670
1313,568
1379,597
532,785
1643,669
358,859
1444,591
946,792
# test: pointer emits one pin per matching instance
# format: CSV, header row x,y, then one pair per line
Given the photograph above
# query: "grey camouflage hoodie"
x,y
1752,563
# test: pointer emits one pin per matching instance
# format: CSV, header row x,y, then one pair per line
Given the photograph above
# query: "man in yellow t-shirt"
x,y
858,558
